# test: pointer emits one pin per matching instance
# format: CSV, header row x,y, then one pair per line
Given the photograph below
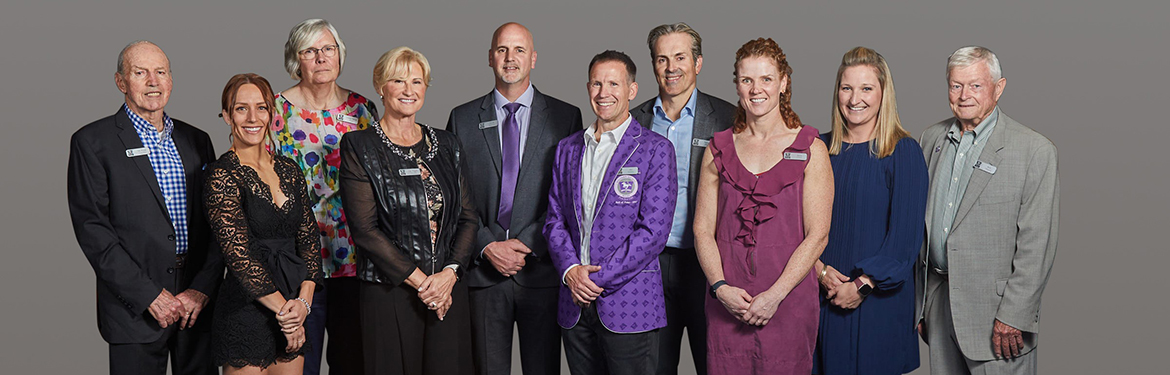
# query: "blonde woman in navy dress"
x,y
866,272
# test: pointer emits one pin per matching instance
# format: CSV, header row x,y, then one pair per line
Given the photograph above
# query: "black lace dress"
x,y
266,249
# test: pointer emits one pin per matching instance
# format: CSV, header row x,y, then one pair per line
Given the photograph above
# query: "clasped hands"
x,y
507,256
292,319
754,310
839,289
435,291
184,308
583,290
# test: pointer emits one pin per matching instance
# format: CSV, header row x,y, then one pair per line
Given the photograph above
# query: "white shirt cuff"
x,y
563,281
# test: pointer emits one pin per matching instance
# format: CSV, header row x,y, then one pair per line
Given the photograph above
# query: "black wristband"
x,y
716,285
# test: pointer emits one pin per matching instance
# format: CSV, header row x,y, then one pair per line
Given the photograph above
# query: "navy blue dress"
x,y
878,226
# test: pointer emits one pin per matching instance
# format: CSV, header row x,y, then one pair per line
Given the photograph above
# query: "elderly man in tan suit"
x,y
991,228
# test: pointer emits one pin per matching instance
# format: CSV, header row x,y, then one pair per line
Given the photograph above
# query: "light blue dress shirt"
x,y
680,133
523,114
961,151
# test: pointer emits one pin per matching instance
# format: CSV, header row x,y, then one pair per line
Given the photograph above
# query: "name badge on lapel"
x,y
980,165
700,142
349,119
628,170
488,124
133,152
406,172
795,156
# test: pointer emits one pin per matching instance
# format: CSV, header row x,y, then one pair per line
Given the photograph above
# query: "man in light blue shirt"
x,y
688,118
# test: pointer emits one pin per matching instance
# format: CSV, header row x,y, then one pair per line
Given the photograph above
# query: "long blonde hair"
x,y
889,127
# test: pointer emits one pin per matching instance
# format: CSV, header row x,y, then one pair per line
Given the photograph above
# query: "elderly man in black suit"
x,y
135,197
689,118
510,136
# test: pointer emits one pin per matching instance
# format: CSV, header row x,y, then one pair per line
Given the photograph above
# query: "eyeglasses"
x,y
311,53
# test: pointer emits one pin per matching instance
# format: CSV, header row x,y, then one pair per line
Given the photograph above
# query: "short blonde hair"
x,y
396,63
302,36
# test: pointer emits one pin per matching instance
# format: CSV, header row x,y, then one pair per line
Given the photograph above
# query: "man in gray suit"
x,y
992,221
510,136
688,118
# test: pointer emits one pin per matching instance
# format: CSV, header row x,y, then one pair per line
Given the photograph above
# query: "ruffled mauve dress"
x,y
759,225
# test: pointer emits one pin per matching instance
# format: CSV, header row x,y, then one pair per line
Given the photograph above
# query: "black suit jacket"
x,y
711,115
550,121
124,229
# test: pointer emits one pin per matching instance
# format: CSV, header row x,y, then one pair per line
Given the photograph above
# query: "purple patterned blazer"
x,y
634,213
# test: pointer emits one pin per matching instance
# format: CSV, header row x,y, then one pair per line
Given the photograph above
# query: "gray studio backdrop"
x,y
1090,75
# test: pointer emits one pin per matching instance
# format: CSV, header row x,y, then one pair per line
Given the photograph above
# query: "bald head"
x,y
135,47
512,57
512,28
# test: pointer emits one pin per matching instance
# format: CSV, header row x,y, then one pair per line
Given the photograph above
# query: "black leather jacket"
x,y
386,208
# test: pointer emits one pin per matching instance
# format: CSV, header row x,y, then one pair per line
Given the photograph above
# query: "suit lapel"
x,y
932,166
573,168
644,114
491,135
626,147
537,117
130,140
979,178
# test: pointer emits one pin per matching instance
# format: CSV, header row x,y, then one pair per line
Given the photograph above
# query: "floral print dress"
x,y
312,139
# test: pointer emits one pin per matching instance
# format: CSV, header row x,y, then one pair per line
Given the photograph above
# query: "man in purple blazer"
x,y
609,214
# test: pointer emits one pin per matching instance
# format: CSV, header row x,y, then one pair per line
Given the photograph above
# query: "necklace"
x,y
432,143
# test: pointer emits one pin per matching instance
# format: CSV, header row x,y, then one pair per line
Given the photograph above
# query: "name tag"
x,y
628,170
349,119
700,142
980,165
137,152
404,172
488,124
795,156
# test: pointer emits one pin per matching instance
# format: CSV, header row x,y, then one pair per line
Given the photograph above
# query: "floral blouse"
x,y
312,139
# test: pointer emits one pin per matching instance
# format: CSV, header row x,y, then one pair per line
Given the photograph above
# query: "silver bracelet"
x,y
307,307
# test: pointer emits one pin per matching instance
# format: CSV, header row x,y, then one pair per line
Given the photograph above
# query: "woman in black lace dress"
x,y
257,206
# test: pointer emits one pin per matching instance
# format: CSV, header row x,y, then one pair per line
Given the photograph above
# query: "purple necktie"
x,y
510,155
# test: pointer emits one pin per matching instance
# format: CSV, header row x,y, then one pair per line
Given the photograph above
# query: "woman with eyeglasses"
x,y
311,117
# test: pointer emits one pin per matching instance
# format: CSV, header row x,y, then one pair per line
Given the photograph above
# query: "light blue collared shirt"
x,y
680,133
960,152
522,115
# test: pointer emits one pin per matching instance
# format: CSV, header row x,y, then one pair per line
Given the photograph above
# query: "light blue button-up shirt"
x,y
680,133
523,114
960,152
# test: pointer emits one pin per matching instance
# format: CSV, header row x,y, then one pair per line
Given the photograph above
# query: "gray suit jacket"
x,y
711,115
1003,241
550,121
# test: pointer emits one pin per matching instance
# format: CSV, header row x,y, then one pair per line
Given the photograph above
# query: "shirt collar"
x,y
141,125
614,135
956,131
688,109
525,99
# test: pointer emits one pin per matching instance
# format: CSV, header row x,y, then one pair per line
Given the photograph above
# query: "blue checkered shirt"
x,y
168,170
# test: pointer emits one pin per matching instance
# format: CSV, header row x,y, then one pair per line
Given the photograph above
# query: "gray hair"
x,y
302,36
681,27
970,55
122,55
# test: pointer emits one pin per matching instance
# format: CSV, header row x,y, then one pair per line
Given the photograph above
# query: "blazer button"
x,y
170,237
171,270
